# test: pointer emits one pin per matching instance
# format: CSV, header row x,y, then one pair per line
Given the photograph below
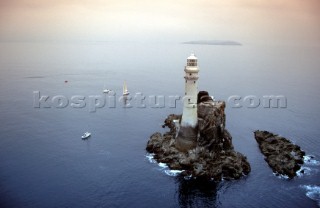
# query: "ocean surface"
x,y
45,163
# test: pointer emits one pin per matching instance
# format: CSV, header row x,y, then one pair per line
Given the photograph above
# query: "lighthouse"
x,y
187,136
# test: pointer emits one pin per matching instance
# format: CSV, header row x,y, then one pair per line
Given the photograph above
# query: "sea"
x,y
52,92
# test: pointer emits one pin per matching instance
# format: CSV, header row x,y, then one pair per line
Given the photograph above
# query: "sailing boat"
x,y
125,89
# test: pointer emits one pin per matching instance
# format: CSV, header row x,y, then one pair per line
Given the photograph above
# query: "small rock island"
x,y
282,156
198,143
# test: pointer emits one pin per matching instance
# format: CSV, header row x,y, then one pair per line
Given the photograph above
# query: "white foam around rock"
x,y
309,160
281,176
162,165
313,192
150,158
304,171
172,172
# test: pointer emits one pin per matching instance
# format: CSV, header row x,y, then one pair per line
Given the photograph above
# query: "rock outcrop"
x,y
213,157
282,156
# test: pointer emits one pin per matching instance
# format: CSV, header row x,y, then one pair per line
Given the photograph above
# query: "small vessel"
x,y
86,135
125,89
106,91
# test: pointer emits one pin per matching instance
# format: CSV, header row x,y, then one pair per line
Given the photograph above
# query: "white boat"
x,y
125,89
86,135
106,91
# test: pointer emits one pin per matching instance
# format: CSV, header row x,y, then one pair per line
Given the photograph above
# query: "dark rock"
x,y
212,156
282,156
206,98
201,94
154,143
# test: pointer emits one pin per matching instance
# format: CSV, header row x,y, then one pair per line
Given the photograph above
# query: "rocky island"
x,y
198,143
212,156
282,156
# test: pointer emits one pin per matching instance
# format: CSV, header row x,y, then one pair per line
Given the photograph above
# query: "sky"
x,y
269,21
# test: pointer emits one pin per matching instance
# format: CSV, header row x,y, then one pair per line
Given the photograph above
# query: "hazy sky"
x,y
270,21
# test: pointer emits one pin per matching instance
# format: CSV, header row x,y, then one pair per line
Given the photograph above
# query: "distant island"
x,y
213,42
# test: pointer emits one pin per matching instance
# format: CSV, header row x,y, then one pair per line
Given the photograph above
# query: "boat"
x,y
86,135
125,89
106,91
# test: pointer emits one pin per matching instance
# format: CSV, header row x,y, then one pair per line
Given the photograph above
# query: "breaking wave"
x,y
173,172
313,192
308,167
163,167
309,160
150,158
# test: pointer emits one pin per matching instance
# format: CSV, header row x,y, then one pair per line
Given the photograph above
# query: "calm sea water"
x,y
44,162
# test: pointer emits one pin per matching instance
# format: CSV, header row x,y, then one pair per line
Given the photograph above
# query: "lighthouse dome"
x,y
192,56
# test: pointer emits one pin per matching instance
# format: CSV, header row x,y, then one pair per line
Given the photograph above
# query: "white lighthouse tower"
x,y
187,136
